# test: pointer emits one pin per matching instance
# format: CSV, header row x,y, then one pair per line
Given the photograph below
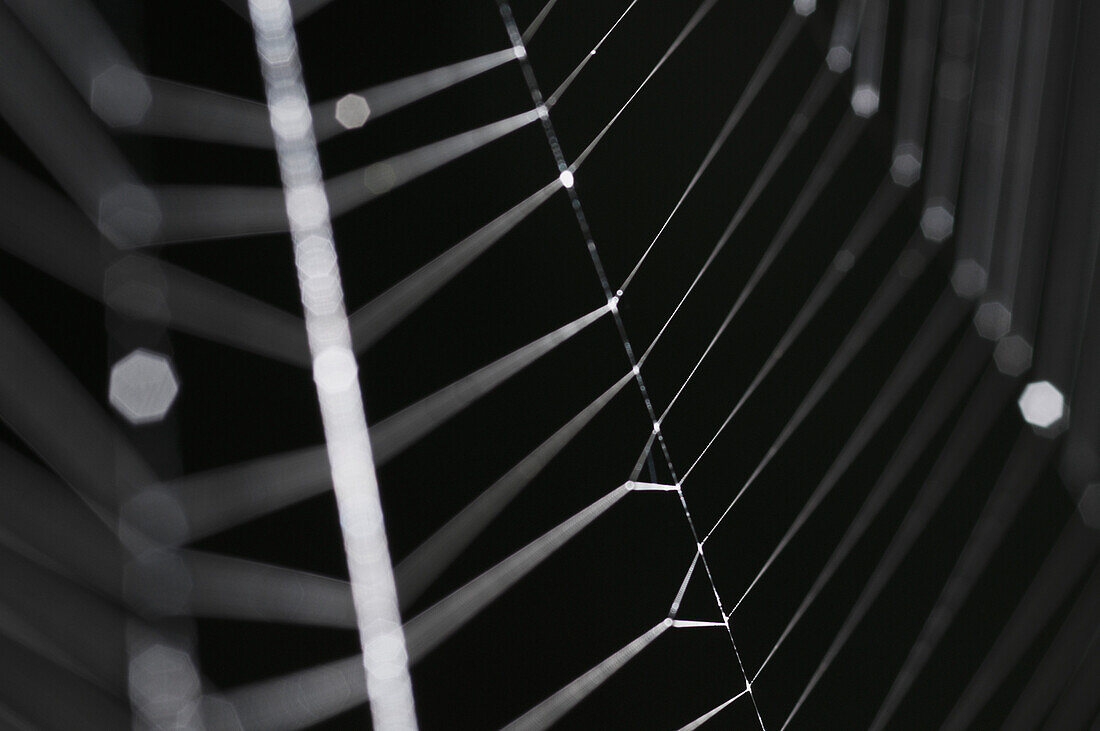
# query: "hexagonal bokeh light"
x,y
352,111
865,101
162,678
143,386
937,222
1042,404
905,168
120,95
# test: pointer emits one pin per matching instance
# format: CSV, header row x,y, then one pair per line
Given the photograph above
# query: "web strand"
x,y
612,299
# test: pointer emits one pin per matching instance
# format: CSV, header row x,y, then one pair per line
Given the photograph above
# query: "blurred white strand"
x,y
335,371
438,622
224,497
532,29
712,713
374,319
308,696
201,212
1072,554
70,143
60,242
417,570
553,98
1063,656
550,711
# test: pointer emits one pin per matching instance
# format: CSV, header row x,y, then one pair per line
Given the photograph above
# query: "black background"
x,y
617,578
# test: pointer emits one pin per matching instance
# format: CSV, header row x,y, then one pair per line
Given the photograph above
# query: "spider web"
x,y
673,356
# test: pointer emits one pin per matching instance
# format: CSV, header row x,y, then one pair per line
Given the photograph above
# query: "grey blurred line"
x,y
302,698
392,95
203,212
360,186
236,588
1048,40
700,12
980,214
421,567
59,241
1068,560
142,104
178,110
982,409
532,29
1080,464
910,264
222,498
1065,653
395,433
73,540
45,405
88,53
56,239
1079,700
43,647
46,114
76,548
918,54
711,713
994,316
776,50
950,112
14,720
867,75
551,710
937,327
301,9
846,27
309,696
203,307
1075,239
553,98
59,614
32,685
951,385
374,319
1022,468
438,622
240,7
